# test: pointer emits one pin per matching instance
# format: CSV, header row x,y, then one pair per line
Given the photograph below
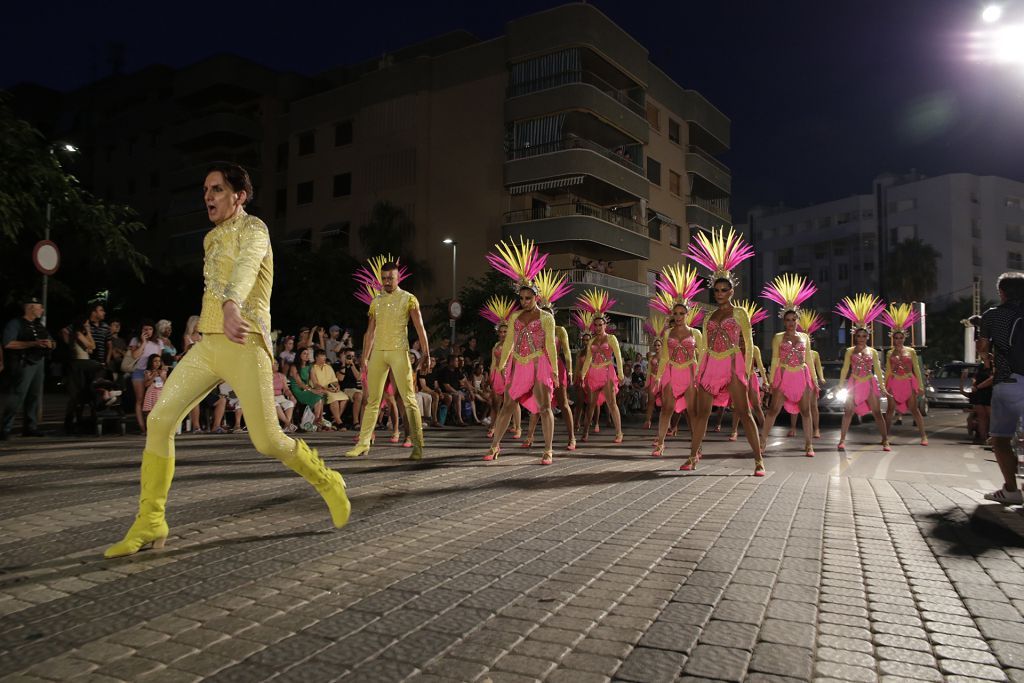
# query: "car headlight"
x,y
830,396
931,390
842,394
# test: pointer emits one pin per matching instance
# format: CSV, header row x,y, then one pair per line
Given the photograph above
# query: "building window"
x,y
343,133
821,250
304,193
843,272
974,198
842,218
673,130
282,157
1014,260
677,235
343,185
869,266
976,255
307,143
902,205
975,228
654,229
785,256
1015,233
654,116
823,274
1014,202
654,171
825,222
839,249
674,181
281,202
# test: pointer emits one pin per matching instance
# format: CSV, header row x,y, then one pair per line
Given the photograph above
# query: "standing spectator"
x,y
192,335
26,343
287,354
81,370
346,339
141,348
442,351
471,352
349,377
100,332
1008,382
163,338
333,345
980,396
118,347
305,339
153,379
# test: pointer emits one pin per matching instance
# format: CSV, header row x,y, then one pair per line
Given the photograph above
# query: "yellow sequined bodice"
x,y
238,266
391,312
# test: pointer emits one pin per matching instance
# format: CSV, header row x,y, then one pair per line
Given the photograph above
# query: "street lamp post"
x,y
455,249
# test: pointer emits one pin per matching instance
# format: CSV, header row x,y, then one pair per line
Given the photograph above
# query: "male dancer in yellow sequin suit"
x,y
386,346
235,322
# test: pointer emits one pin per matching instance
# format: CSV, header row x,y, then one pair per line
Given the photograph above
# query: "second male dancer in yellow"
x,y
386,346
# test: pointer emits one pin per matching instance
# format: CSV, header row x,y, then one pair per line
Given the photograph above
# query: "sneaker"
x,y
291,429
1004,497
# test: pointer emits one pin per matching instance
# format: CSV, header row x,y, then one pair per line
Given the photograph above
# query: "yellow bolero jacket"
x,y
239,267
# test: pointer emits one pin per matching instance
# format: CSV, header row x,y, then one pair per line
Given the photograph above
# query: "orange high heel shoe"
x,y
493,453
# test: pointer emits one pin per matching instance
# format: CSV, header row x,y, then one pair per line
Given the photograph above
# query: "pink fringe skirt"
x,y
498,382
715,375
861,392
597,379
793,386
521,377
680,379
903,390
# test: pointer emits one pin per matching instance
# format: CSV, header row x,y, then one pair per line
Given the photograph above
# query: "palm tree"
x,y
912,270
390,230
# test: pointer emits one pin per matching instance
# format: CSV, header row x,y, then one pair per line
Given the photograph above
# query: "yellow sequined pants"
x,y
250,372
376,378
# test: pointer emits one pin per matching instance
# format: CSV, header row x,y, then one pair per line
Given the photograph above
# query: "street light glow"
x,y
68,147
992,13
447,240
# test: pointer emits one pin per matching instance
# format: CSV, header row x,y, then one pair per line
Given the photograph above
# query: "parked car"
x,y
832,400
944,386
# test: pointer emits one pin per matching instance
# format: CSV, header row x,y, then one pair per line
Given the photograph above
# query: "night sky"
x,y
822,95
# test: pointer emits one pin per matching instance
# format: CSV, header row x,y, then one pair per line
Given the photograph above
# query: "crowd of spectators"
x,y
106,369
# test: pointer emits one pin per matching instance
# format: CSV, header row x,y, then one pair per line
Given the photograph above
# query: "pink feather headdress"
x,y
368,277
789,291
519,262
899,317
720,253
862,309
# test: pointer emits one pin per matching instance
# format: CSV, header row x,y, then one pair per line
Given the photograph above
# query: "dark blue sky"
x,y
822,95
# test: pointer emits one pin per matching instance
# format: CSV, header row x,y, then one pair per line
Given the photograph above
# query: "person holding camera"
x,y
351,384
27,345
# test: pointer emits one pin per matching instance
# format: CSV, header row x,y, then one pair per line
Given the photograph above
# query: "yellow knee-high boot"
x,y
327,482
150,525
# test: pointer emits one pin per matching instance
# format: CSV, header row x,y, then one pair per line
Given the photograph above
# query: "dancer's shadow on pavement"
x,y
973,535
72,567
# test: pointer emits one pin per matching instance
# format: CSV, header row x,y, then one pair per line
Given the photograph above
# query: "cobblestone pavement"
x,y
608,565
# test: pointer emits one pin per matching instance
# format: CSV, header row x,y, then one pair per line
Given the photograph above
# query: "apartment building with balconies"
x,y
561,130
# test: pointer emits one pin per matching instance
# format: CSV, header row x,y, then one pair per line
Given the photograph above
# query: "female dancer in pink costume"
x,y
653,327
866,383
725,367
809,322
600,377
903,368
584,321
792,385
498,309
532,375
758,376
551,287
681,348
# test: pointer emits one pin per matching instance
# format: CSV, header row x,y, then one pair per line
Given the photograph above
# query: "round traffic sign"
x,y
46,257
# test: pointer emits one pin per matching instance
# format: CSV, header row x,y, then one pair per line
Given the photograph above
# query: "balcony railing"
x,y
583,276
694,149
577,76
719,207
625,155
576,209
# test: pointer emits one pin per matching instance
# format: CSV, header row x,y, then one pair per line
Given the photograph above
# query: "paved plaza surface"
x,y
608,565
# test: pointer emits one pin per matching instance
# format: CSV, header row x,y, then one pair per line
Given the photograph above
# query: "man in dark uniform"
x,y
26,343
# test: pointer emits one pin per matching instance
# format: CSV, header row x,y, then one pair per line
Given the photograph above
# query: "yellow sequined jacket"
x,y
239,266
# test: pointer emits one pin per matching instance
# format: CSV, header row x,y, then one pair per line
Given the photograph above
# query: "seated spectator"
x,y
228,400
284,400
424,399
349,377
325,382
287,352
443,398
425,382
301,384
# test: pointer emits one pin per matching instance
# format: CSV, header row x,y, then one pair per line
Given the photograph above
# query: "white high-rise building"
x,y
976,223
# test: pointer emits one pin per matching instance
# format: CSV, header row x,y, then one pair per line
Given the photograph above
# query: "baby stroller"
x,y
107,404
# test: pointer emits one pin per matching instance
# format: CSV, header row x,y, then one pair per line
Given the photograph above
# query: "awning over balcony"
x,y
552,184
652,214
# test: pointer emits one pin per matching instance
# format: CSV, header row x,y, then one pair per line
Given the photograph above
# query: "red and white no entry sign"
x,y
46,257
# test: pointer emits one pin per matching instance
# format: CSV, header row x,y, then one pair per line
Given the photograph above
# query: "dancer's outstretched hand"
x,y
235,327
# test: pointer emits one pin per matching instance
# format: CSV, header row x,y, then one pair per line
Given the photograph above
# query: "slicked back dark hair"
x,y
390,265
236,176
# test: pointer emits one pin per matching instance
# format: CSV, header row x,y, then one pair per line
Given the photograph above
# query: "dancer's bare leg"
x,y
741,411
547,420
668,400
805,415
613,408
699,424
774,408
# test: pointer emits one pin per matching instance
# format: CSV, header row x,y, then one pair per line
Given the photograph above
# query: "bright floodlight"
x,y
447,240
1007,45
991,14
